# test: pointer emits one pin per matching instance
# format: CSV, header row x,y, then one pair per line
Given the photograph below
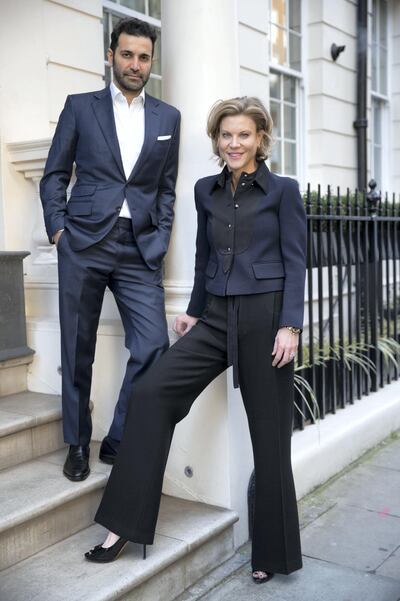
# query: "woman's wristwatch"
x,y
293,330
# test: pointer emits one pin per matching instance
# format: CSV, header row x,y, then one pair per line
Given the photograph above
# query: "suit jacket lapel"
x,y
151,129
103,109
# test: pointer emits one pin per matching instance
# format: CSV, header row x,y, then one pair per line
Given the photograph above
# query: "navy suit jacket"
x,y
86,135
252,243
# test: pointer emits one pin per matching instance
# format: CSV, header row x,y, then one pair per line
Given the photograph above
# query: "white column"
x,y
201,65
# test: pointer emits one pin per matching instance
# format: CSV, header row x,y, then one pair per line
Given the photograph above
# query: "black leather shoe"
x,y
108,450
76,466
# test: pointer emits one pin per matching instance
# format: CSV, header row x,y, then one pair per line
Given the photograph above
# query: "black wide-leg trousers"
x,y
164,395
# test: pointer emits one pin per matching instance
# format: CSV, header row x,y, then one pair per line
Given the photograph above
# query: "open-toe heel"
x,y
259,576
101,554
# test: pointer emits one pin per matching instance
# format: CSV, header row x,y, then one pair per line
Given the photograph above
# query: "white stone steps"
x,y
39,506
30,426
13,374
192,539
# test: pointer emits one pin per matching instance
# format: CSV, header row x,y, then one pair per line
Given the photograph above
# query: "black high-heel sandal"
x,y
261,579
101,554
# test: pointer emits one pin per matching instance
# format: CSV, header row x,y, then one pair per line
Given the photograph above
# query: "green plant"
x,y
390,349
354,353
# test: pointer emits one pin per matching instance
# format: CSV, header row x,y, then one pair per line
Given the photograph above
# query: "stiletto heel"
x,y
144,551
101,554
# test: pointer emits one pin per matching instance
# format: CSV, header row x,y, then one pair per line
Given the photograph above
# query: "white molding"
x,y
29,157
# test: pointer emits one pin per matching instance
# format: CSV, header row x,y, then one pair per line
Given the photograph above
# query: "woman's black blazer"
x,y
252,242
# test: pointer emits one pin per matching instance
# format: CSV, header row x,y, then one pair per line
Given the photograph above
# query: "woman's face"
x,y
238,141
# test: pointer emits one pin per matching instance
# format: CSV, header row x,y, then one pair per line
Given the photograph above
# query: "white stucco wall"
x,y
395,96
57,49
331,106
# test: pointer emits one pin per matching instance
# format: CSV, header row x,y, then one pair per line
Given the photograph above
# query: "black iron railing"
x,y
350,344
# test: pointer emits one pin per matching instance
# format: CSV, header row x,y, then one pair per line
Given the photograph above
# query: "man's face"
x,y
131,62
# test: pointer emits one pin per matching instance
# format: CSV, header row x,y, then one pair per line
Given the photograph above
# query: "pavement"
x,y
350,531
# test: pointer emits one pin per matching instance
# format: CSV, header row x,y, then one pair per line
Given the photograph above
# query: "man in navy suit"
x,y
114,230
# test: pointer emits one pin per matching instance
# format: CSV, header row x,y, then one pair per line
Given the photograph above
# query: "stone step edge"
x,y
28,421
96,480
228,519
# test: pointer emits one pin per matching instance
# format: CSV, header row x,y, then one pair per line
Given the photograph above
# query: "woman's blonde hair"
x,y
246,105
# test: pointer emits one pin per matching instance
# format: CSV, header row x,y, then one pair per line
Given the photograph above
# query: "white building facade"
x,y
278,50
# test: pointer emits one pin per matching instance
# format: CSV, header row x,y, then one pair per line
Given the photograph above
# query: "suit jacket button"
x,y
236,205
117,210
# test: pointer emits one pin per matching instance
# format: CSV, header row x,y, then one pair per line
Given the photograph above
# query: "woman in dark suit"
x,y
246,310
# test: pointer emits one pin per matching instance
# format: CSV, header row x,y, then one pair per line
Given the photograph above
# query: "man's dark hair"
x,y
132,26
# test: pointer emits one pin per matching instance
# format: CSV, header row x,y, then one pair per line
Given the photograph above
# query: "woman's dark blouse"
x,y
252,242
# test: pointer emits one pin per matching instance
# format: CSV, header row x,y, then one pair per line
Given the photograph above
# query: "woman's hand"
x,y
184,323
285,347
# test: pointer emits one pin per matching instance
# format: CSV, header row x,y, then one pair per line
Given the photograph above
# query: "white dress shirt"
x,y
129,123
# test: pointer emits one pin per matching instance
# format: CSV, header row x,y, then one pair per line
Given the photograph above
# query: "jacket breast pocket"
x,y
78,207
211,269
263,271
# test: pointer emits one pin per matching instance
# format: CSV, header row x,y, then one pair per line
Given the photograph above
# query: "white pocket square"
x,y
164,137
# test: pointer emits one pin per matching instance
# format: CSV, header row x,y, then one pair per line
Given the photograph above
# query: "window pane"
x,y
153,87
106,34
276,163
290,122
295,15
374,21
295,51
377,174
138,5
382,71
276,118
278,12
155,8
290,158
289,89
278,45
383,23
107,75
156,68
374,82
377,122
274,85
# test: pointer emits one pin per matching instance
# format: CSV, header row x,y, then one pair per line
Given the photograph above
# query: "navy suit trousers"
x,y
114,262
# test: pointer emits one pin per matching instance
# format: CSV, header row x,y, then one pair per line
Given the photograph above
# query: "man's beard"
x,y
129,84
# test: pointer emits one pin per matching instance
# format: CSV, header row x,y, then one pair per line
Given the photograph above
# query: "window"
x,y
286,33
379,46
376,138
146,10
379,90
285,74
283,92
